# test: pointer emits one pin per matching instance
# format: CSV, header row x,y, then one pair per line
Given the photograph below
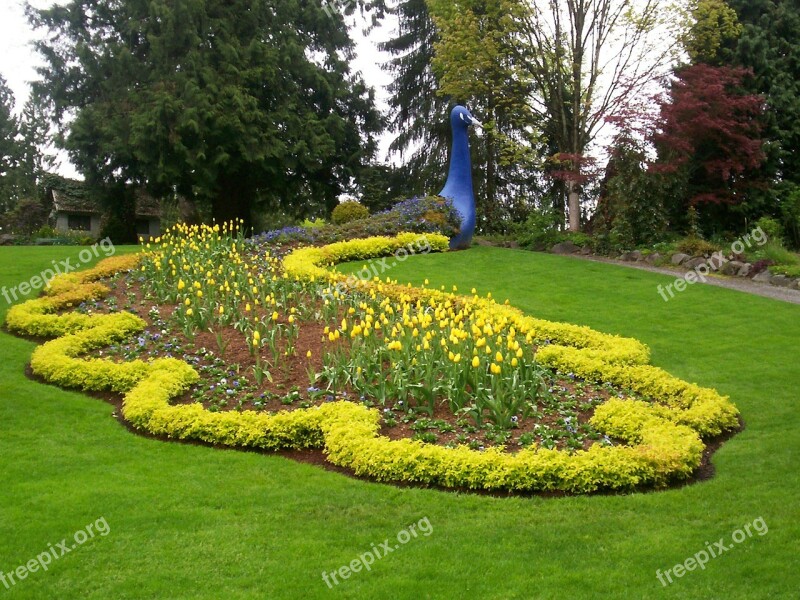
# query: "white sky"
x,y
18,62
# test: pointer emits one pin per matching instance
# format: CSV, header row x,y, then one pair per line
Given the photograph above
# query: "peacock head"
x,y
461,117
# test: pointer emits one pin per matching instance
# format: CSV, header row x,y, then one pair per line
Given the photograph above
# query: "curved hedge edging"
x,y
663,437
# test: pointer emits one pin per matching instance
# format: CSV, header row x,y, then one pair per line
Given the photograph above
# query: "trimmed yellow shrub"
x,y
662,439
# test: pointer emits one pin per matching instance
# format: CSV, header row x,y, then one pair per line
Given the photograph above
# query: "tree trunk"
x,y
234,202
574,206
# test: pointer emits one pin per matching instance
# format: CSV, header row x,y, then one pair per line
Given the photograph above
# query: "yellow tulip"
x,y
476,362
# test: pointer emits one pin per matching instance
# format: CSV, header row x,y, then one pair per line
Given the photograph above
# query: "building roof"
x,y
72,196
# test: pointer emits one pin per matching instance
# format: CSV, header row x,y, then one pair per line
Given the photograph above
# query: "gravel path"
x,y
732,283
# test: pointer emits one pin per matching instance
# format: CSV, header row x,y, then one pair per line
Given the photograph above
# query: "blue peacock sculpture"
x,y
458,186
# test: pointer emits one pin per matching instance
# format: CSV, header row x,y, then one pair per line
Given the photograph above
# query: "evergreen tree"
x,y
770,46
235,102
419,114
9,148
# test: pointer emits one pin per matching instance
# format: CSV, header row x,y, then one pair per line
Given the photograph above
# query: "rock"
x,y
693,263
782,281
565,248
7,239
679,259
796,285
634,256
744,271
716,261
586,250
654,258
763,277
731,268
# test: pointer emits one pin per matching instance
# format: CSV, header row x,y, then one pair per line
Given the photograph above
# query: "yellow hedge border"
x,y
664,437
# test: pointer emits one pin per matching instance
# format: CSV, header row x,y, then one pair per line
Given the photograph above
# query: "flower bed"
x,y
481,356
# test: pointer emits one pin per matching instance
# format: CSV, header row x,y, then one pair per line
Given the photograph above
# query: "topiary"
x,y
349,211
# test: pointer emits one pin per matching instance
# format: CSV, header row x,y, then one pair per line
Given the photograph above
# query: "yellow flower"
x,y
247,307
291,318
476,362
189,312
498,357
308,354
495,369
181,285
199,293
344,324
275,316
221,309
514,362
187,302
256,337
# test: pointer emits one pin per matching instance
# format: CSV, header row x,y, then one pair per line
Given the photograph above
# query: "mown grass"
x,y
194,522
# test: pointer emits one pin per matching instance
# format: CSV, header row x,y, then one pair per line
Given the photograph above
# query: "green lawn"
x,y
194,522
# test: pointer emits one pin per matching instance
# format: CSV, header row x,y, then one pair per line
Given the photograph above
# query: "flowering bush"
x,y
429,214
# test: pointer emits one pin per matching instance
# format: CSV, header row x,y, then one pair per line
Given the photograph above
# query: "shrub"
x,y
772,229
347,212
430,214
788,270
539,231
775,254
790,214
696,246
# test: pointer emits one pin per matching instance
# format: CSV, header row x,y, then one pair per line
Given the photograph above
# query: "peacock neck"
x,y
460,175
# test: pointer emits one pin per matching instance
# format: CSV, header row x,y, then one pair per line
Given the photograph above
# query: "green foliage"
x,y
229,102
479,61
775,253
790,215
788,270
540,230
418,112
632,212
772,228
313,224
347,212
768,45
715,26
28,216
696,246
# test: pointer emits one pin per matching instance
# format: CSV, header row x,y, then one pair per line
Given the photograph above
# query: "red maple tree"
x,y
709,127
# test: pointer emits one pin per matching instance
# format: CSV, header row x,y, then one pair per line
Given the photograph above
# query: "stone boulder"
x,y
654,258
745,270
693,263
7,239
782,281
731,268
680,258
634,256
586,250
565,248
763,277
